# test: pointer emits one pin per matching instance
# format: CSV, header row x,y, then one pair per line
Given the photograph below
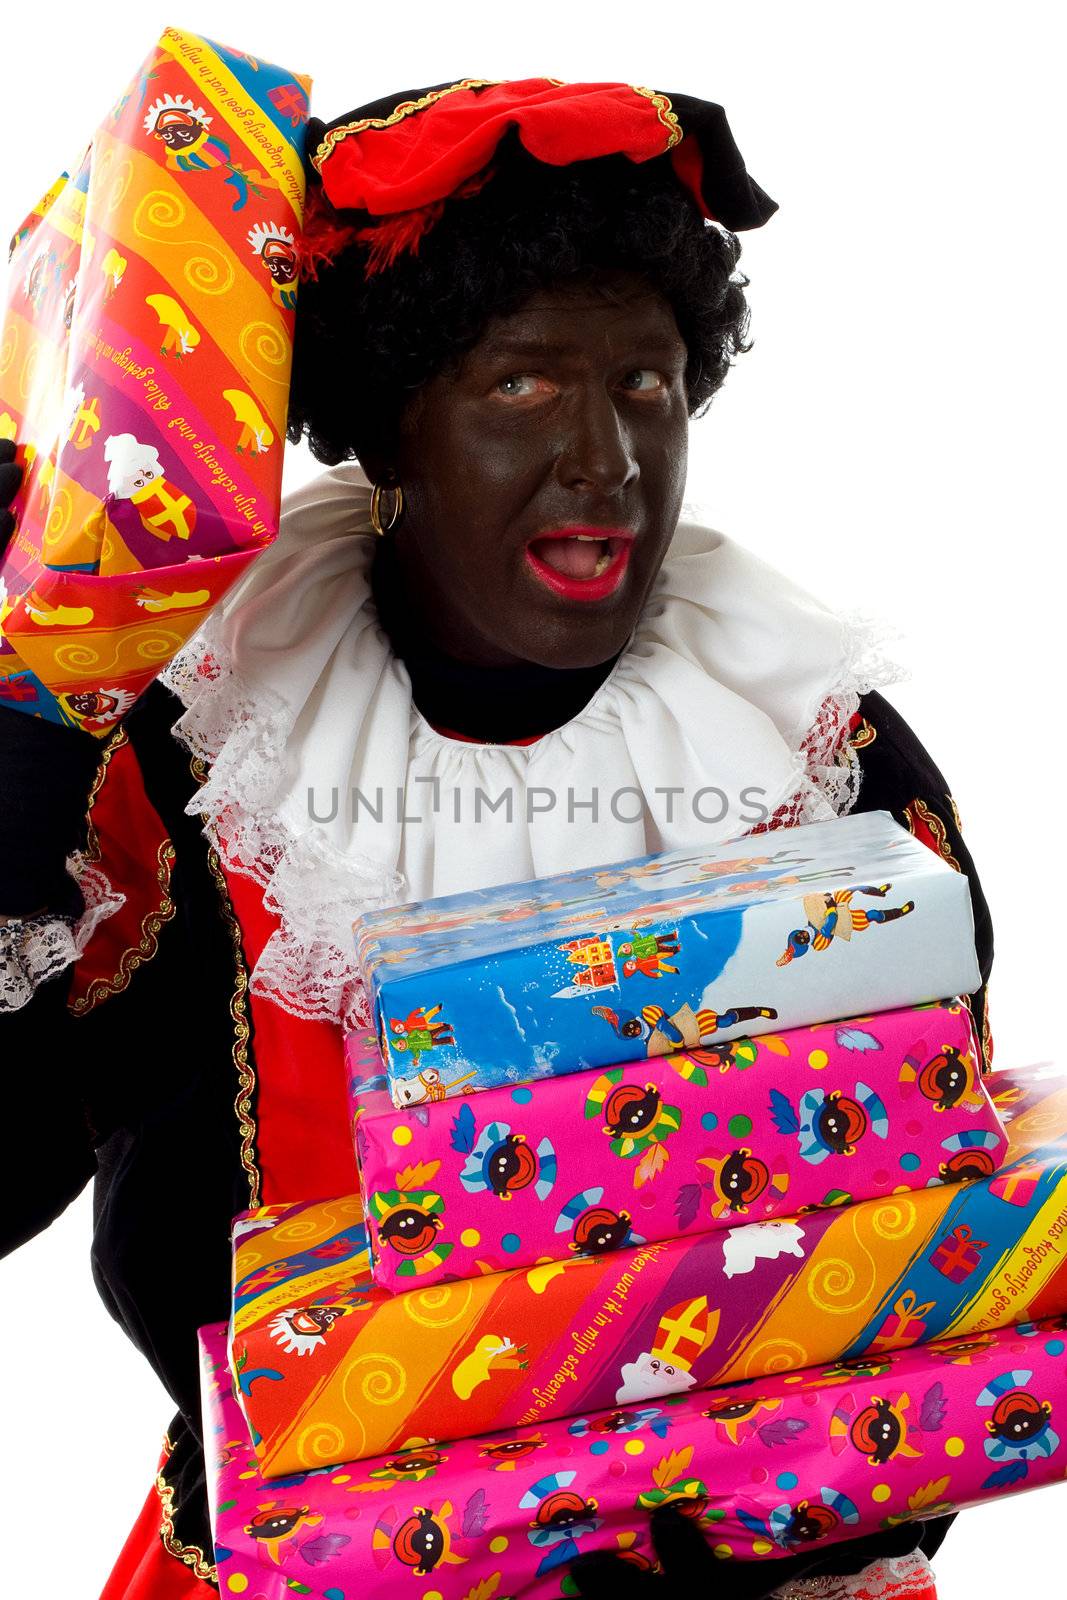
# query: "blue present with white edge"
x,y
682,950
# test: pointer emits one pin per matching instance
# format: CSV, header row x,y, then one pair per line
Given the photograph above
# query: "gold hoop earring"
x,y
381,528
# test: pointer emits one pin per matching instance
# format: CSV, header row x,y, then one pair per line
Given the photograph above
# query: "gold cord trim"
x,y
919,811
406,108
242,1029
664,111
92,843
190,1554
135,956
864,735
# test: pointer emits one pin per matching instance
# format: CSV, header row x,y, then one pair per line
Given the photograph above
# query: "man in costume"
x,y
515,297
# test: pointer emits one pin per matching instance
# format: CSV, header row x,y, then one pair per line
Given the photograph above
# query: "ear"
x,y
377,467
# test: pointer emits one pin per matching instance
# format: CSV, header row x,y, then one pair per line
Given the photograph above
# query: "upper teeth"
x,y
588,538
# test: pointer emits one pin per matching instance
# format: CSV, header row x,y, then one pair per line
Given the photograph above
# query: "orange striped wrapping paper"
x,y
144,373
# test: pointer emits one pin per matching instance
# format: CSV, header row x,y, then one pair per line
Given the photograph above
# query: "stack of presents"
x,y
678,1181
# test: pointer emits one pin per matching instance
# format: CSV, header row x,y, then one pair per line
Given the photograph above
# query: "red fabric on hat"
x,y
425,153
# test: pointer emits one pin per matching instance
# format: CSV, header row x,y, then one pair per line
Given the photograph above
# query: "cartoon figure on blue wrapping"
x,y
831,917
684,1029
830,1124
646,953
1018,1427
502,1163
418,1033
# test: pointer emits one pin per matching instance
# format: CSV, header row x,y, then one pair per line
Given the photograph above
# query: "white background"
x,y
893,441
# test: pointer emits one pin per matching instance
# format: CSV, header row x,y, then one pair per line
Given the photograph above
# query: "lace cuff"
x,y
34,949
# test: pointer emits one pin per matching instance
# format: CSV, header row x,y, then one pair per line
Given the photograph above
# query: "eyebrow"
x,y
514,345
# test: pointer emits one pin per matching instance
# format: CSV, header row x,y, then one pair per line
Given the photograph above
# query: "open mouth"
x,y
577,563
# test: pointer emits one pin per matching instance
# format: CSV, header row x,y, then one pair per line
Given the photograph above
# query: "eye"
x,y
508,386
658,380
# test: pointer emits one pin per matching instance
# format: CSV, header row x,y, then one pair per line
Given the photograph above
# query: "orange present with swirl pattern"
x,y
144,375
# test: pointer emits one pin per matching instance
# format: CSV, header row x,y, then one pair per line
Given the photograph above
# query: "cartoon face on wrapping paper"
x,y
615,1422
683,1333
409,1225
562,1516
423,1540
811,1520
410,1466
506,1455
739,1179
759,1241
274,1525
502,1163
301,1331
736,1416
131,465
829,1124
880,1430
176,122
948,1078
634,1115
594,1227
969,1155
1018,1423
650,1377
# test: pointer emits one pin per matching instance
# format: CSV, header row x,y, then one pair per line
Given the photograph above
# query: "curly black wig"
x,y
365,345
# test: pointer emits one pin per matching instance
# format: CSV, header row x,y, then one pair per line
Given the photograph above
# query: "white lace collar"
x,y
329,789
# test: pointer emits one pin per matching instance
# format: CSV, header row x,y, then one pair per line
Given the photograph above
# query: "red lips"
x,y
580,562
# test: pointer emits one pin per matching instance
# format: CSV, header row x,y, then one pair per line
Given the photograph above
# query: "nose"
x,y
597,452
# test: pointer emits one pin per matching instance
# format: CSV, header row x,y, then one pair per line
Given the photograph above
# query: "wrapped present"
x,y
147,346
676,951
698,1140
332,1368
958,1254
765,1470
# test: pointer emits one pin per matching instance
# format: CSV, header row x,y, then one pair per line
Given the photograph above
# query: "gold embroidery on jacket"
x,y
190,1554
134,955
918,811
242,1030
864,735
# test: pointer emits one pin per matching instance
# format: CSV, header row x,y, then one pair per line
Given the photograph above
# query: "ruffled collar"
x,y
328,787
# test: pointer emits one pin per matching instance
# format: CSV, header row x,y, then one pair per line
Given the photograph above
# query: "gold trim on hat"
x,y
664,111
334,136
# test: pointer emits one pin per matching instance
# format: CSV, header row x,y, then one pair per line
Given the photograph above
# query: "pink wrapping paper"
x,y
765,1469
679,1145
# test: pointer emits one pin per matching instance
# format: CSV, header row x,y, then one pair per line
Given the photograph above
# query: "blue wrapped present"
x,y
686,950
